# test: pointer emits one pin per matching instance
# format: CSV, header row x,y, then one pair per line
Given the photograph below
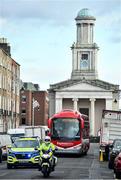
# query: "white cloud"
x,y
41,32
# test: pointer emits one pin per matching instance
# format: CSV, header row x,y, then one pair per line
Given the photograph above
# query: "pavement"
x,y
99,169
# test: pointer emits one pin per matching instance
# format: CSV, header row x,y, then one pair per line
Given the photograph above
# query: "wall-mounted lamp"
x,y
115,101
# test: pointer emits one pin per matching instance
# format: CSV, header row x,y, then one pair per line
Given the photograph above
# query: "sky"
x,y
41,33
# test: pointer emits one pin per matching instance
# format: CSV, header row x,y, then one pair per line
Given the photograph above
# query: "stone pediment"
x,y
82,87
91,85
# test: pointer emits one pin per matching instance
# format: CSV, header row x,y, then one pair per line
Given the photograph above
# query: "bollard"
x,y
101,155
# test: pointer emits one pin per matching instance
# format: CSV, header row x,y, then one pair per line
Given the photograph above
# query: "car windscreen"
x,y
15,136
26,144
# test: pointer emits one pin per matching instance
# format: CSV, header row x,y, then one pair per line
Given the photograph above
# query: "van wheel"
x,y
9,166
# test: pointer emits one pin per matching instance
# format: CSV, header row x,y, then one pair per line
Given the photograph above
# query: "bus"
x,y
69,132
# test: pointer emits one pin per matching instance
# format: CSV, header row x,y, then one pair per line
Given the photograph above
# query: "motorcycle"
x,y
46,163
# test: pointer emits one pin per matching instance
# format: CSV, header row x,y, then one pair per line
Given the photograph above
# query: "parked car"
x,y
117,166
114,150
24,151
5,140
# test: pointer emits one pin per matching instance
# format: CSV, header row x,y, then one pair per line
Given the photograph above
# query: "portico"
x,y
64,100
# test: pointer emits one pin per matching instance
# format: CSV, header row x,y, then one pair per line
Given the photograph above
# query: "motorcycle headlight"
x,y
45,156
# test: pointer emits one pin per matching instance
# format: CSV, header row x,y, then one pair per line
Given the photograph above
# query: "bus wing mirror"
x,y
49,123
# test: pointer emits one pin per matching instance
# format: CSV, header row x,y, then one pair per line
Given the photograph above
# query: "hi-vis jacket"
x,y
47,148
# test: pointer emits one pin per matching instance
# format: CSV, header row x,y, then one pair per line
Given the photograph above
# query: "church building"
x,y
84,91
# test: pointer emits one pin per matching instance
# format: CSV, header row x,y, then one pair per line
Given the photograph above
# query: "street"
x,y
68,167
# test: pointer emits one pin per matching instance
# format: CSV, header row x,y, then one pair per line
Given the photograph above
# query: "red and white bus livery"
x,y
69,131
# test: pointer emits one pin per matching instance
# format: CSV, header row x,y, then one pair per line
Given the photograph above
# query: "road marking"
x,y
2,165
3,174
56,172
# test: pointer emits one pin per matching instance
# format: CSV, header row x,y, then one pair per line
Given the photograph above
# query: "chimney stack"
x,y
5,46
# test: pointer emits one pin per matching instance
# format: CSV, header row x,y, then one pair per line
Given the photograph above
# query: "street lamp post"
x,y
33,112
34,105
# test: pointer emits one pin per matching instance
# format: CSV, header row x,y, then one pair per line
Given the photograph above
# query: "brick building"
x,y
33,105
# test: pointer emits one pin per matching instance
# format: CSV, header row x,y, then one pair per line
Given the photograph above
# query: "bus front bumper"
x,y
74,150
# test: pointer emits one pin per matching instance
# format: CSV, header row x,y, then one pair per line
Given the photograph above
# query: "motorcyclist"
x,y
49,147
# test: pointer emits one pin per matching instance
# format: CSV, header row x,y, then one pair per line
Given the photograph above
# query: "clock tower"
x,y
84,51
84,91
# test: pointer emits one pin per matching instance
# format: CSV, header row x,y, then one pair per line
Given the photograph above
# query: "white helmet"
x,y
47,139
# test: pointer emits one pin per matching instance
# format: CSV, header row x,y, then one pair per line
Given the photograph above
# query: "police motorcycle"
x,y
46,163
47,160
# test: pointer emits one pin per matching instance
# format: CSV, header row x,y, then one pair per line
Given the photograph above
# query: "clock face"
x,y
84,64
84,61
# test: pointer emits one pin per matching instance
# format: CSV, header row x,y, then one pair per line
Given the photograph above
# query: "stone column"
x,y
92,118
109,104
58,105
89,34
75,100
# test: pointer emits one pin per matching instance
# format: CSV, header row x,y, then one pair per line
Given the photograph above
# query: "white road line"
x,y
57,172
3,174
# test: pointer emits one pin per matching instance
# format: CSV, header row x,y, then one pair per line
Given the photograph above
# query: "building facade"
x,y
9,88
33,105
84,91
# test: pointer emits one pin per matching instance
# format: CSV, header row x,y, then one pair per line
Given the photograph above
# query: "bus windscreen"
x,y
66,129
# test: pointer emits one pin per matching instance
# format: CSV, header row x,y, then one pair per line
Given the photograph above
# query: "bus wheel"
x,y
85,153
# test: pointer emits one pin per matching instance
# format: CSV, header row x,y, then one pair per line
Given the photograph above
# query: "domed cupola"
x,y
85,14
85,22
